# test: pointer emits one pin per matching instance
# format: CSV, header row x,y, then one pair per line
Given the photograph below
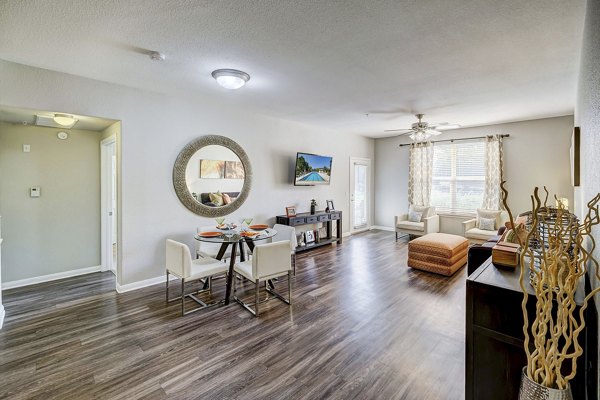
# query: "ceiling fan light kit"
x,y
421,131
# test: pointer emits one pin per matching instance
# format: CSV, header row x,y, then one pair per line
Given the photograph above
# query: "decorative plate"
x,y
258,227
209,234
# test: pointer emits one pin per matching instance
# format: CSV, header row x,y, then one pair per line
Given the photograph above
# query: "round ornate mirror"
x,y
212,176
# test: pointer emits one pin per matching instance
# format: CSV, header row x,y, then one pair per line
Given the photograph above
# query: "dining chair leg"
x,y
256,299
182,297
290,287
167,287
294,262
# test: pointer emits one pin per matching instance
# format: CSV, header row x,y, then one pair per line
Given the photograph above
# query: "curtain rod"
x,y
458,139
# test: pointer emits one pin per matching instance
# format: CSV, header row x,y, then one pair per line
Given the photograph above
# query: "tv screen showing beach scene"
x,y
312,169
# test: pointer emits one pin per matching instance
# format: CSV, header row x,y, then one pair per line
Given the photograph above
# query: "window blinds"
x,y
458,176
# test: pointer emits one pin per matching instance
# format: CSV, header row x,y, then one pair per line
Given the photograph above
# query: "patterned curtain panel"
x,y
420,173
492,198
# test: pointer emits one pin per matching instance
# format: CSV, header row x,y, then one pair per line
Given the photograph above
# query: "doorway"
x,y
360,194
108,193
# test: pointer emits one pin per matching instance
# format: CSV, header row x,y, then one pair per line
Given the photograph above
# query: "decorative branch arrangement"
x,y
558,251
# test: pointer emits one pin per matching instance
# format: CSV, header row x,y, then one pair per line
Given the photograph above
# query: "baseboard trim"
x,y
1,315
382,228
142,284
50,277
346,234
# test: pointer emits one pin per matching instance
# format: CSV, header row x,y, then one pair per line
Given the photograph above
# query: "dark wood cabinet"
x,y
327,218
495,354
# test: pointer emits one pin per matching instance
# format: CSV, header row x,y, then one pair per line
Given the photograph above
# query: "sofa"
x,y
478,253
205,198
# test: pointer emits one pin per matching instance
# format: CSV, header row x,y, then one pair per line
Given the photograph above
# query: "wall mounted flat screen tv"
x,y
312,170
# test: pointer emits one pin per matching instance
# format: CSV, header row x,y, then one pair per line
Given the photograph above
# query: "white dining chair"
x,y
285,232
269,261
179,262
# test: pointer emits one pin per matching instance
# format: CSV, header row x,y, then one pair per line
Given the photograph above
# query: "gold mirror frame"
x,y
180,183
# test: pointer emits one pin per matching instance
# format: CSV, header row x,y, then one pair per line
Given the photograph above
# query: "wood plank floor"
x,y
362,326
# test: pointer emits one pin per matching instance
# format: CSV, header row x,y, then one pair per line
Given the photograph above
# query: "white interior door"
x,y
108,193
360,194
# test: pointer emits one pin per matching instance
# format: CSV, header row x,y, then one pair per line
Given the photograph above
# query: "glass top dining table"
x,y
230,238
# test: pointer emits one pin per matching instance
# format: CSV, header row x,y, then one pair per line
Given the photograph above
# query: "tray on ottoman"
x,y
440,253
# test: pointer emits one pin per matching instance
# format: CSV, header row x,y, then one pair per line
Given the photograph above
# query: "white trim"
x,y
107,149
346,234
382,228
1,315
51,277
142,284
366,162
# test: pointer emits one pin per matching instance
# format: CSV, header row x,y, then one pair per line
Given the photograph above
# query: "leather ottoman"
x,y
440,253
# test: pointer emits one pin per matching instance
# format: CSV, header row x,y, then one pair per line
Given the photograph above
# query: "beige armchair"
x,y
430,223
472,232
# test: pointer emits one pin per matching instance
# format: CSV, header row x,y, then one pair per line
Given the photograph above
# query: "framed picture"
x,y
330,206
212,169
309,236
234,170
290,211
575,154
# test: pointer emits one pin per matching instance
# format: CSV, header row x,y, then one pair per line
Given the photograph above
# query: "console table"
x,y
318,217
494,336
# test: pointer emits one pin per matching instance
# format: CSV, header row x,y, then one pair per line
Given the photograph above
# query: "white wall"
x,y
156,127
535,154
587,116
59,231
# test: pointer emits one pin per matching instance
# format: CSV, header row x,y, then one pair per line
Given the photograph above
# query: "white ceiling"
x,y
320,62
27,117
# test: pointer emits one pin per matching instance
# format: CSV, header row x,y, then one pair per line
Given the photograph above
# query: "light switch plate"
x,y
26,148
35,192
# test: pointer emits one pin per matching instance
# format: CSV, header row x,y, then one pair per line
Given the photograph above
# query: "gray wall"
x,y
587,116
536,154
156,127
59,231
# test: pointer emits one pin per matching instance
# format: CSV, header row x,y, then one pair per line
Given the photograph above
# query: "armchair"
x,y
472,232
430,223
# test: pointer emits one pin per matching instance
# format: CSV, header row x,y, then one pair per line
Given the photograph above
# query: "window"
x,y
458,176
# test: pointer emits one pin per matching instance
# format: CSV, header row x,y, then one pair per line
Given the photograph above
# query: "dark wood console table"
x,y
494,336
318,217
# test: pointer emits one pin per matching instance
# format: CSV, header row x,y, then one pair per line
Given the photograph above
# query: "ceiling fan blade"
x,y
434,132
444,126
398,130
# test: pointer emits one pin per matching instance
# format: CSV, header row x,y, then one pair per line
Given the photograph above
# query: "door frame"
x,y
106,220
367,162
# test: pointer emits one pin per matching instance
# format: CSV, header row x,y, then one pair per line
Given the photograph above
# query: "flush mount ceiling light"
x,y
64,120
230,78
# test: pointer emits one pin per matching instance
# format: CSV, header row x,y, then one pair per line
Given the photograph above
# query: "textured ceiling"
x,y
320,62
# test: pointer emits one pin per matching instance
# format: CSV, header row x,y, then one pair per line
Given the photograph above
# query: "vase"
x,y
531,390
312,209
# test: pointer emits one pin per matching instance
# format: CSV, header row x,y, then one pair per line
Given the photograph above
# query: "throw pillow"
x,y
494,214
226,199
216,199
487,224
414,216
520,232
425,210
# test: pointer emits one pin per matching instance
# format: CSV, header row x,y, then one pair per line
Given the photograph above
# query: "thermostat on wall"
x,y
35,192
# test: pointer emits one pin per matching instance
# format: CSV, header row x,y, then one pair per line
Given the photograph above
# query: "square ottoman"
x,y
440,253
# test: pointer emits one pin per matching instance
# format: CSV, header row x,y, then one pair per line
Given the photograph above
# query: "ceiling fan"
x,y
421,131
